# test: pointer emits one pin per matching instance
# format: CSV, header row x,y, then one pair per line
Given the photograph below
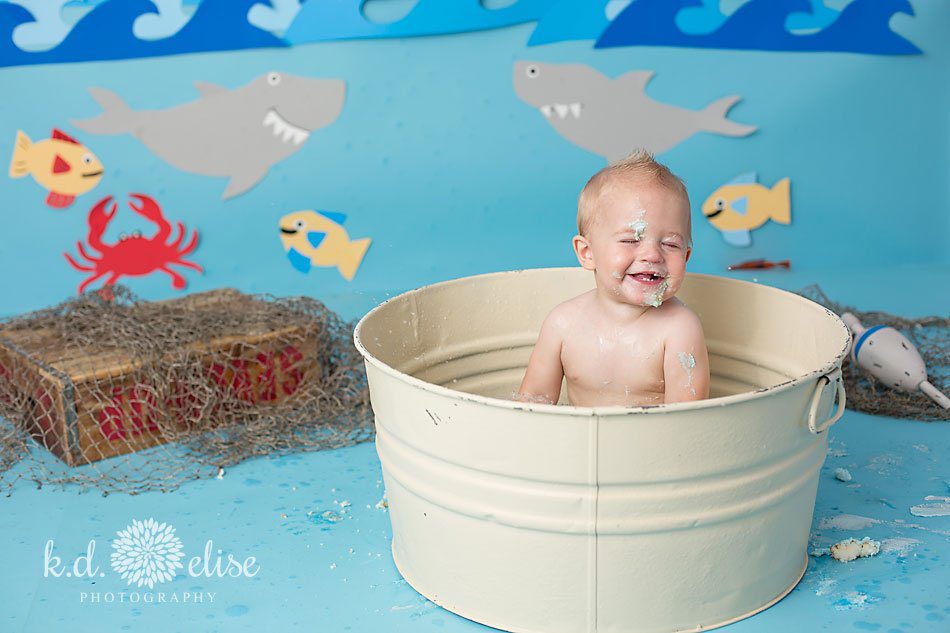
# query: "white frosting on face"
x,y
616,274
639,225
656,299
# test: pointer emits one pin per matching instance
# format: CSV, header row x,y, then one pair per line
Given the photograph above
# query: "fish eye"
x,y
299,224
273,78
720,203
87,158
532,71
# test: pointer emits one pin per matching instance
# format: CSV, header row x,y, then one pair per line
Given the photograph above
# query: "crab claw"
x,y
148,209
98,217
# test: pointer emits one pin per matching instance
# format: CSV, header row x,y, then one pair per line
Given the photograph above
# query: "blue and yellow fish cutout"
x,y
316,238
742,205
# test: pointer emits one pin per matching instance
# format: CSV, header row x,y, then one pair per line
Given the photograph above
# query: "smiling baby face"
x,y
637,240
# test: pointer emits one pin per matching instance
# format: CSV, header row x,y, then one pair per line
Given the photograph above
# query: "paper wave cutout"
x,y
342,19
106,33
861,27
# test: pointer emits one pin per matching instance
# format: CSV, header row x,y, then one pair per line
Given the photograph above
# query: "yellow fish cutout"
x,y
315,238
61,164
742,205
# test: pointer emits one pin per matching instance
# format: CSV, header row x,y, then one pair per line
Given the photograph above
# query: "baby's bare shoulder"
x,y
678,317
563,315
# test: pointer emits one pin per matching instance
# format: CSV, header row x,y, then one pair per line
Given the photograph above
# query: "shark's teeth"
x,y
562,110
284,129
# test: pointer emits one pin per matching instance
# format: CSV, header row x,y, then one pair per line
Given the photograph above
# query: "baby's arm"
x,y
685,360
542,378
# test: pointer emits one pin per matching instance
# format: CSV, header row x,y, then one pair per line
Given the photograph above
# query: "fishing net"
x,y
113,393
931,336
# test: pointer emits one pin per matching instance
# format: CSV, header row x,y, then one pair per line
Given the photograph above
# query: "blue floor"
x,y
322,546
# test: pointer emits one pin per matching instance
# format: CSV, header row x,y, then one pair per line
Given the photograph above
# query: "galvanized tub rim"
x,y
602,411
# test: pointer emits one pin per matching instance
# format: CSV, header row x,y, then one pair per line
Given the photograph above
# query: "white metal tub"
x,y
544,518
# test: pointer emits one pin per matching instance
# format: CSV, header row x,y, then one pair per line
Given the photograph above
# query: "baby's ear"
x,y
689,251
583,251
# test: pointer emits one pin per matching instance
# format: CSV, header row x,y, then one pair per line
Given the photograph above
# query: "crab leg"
x,y
181,235
77,265
192,243
178,282
82,250
191,265
86,283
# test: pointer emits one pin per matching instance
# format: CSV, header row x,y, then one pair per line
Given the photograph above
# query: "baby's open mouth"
x,y
647,278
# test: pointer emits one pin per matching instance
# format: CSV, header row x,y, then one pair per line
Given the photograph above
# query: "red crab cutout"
x,y
136,255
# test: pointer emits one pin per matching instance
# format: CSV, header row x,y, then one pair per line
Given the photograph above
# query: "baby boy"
x,y
629,341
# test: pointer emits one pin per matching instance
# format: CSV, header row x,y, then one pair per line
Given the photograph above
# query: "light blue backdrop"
x,y
436,159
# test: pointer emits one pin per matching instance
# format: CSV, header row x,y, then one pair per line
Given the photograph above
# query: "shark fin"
x,y
209,89
333,216
116,118
737,238
783,205
315,238
241,182
298,261
712,118
636,79
748,178
740,205
353,257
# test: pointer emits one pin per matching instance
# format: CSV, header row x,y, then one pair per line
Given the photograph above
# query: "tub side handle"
x,y
827,379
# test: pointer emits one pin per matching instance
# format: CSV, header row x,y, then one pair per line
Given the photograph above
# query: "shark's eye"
x,y
532,71
299,224
273,78
87,159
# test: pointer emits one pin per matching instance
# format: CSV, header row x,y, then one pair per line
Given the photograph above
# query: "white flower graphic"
x,y
147,552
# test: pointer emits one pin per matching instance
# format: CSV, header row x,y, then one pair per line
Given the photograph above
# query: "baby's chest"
x,y
617,362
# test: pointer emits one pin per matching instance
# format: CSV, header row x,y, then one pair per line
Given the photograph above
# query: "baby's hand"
x,y
686,361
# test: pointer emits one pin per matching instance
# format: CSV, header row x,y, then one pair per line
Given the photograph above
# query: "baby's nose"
x,y
649,251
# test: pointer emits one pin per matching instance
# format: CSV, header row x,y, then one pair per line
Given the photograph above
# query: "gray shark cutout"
x,y
238,134
613,117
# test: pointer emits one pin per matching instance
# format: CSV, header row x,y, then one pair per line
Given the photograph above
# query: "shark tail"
x,y
782,203
116,118
353,257
712,118
19,164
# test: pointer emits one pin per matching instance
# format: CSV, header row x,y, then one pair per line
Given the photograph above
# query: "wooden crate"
x,y
88,406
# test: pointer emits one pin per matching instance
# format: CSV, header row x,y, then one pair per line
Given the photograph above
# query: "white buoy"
x,y
890,357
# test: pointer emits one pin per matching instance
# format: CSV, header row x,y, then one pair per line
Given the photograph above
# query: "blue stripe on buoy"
x,y
867,333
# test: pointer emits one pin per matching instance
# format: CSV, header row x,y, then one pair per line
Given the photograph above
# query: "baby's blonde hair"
x,y
638,165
